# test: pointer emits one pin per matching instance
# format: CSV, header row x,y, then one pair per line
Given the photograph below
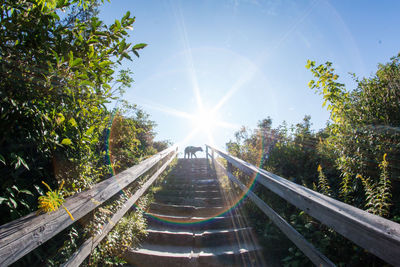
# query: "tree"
x,y
56,77
360,144
131,137
364,128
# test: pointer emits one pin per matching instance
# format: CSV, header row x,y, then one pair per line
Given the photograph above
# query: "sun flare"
x,y
204,120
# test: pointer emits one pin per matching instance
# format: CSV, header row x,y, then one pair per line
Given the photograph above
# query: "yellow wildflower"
x,y
384,163
319,168
52,200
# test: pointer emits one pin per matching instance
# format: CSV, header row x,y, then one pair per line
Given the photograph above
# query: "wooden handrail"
x,y
19,237
377,235
308,249
80,255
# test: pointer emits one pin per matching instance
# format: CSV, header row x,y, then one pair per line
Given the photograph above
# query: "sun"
x,y
204,120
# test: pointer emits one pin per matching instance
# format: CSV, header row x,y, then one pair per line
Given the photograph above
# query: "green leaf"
x,y
76,62
10,192
19,162
71,58
60,118
122,46
125,16
2,159
91,51
13,202
15,188
105,63
72,121
21,201
117,24
2,199
139,46
86,82
38,189
25,191
308,64
89,131
126,55
66,141
24,163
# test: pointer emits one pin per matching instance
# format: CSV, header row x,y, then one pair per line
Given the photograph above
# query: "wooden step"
x,y
164,235
194,201
216,237
199,223
169,236
192,181
157,255
186,210
190,186
190,193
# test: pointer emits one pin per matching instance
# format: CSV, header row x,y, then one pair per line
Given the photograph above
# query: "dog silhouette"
x,y
190,151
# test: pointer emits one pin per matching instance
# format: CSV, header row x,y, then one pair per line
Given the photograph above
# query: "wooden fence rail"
x,y
23,235
80,255
308,249
377,235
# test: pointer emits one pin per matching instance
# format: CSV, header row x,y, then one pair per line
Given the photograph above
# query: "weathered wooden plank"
x,y
377,235
80,255
308,249
21,236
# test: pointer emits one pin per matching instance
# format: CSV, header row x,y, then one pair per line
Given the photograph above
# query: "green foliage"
x,y
363,128
289,152
365,124
378,194
126,234
292,152
161,145
17,201
126,137
56,78
323,183
53,4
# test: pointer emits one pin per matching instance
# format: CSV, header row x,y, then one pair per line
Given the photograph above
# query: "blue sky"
x,y
247,57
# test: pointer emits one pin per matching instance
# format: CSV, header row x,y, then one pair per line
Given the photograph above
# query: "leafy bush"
x,y
56,78
361,141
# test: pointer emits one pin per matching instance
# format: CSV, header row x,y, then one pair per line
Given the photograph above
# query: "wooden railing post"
x,y
207,152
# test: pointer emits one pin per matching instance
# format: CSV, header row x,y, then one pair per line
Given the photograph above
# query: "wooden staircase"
x,y
187,225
